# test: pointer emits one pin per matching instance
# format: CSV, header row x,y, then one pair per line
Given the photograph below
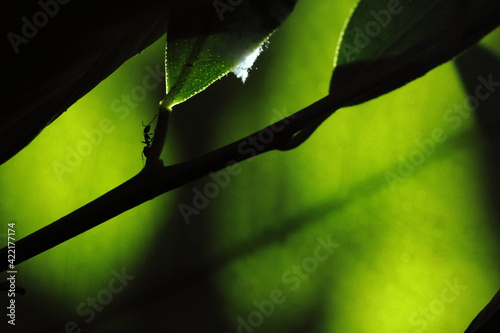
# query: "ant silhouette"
x,y
147,138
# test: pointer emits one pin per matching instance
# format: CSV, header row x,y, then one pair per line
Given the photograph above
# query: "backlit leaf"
x,y
218,39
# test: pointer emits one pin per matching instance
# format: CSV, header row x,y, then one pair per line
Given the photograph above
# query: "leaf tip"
x,y
242,68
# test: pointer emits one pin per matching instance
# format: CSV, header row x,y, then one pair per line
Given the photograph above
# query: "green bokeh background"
x,y
399,245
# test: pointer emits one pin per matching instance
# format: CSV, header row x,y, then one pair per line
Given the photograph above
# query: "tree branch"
x,y
156,179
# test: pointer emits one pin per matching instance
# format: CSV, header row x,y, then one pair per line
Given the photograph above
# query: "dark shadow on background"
x,y
187,302
478,62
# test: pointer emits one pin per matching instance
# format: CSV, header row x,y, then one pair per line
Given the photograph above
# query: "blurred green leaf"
x,y
387,44
223,38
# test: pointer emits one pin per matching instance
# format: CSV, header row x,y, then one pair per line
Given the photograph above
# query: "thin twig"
x,y
159,137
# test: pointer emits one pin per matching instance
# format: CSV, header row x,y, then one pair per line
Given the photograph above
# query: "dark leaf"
x,y
488,320
387,44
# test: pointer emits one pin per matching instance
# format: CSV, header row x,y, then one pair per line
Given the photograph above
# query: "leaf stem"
x,y
159,137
